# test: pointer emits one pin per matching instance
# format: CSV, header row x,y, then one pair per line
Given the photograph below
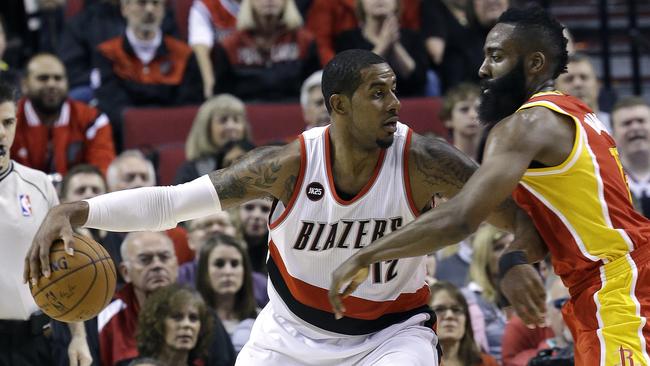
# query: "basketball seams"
x,y
101,255
103,261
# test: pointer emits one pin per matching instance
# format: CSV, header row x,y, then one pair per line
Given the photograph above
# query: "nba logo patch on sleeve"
x,y
25,205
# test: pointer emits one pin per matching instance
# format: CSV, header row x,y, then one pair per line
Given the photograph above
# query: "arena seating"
x,y
164,130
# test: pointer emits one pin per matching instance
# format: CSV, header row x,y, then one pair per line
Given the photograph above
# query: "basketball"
x,y
80,286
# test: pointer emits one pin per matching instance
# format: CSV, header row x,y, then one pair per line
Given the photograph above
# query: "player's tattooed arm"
x,y
267,170
437,168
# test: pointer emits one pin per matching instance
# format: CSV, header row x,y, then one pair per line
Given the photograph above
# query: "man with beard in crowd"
x,y
55,133
550,153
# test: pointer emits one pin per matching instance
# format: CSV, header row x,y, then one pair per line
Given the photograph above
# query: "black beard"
x,y
504,96
46,109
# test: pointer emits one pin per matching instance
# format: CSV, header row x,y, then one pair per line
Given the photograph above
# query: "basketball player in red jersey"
x,y
337,188
551,153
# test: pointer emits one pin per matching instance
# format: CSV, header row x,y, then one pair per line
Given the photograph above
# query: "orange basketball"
x,y
80,286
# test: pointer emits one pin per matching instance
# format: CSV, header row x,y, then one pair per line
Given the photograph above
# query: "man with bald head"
x,y
55,132
148,263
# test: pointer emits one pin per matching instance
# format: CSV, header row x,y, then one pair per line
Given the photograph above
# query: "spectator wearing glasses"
x,y
225,280
148,263
454,328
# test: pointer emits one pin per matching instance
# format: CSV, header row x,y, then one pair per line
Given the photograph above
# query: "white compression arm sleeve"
x,y
153,208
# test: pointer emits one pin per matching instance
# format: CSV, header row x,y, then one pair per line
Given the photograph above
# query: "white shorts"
x,y
275,340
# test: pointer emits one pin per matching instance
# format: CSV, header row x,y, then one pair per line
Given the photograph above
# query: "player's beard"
x,y
504,95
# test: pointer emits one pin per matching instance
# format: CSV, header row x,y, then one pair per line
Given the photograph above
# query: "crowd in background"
x,y
189,296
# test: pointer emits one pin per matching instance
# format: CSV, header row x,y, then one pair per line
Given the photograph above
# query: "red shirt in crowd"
x,y
81,134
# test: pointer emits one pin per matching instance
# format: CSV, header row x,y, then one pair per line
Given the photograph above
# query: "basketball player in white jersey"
x,y
337,189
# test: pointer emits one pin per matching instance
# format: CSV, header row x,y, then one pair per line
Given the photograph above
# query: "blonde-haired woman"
x,y
482,293
220,120
269,55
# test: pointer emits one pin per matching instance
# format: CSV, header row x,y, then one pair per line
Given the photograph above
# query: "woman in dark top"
x,y
220,120
380,32
269,55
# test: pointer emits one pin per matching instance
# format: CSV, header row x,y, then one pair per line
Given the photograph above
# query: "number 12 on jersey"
x,y
383,272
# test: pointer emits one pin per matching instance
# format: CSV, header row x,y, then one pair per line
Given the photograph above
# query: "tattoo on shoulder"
x,y
440,164
256,171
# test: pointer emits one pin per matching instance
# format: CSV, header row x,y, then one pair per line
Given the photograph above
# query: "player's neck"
x,y
545,86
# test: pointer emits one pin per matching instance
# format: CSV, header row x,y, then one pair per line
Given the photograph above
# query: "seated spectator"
x,y
381,32
253,226
269,55
201,230
148,263
145,67
198,231
459,113
482,293
225,280
210,21
312,101
455,37
131,169
54,132
7,74
220,119
454,328
581,81
631,130
175,326
326,19
98,21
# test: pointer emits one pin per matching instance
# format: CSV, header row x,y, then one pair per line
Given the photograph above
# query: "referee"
x,y
26,195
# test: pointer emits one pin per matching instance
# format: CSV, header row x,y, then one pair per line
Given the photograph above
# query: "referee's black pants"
x,y
25,343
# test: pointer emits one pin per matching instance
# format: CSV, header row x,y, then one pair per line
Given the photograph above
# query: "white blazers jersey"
x,y
319,230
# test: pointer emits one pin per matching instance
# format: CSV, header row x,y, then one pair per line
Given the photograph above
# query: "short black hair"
x,y
80,169
342,75
536,28
7,92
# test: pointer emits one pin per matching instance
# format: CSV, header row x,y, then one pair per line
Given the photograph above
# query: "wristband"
x,y
511,259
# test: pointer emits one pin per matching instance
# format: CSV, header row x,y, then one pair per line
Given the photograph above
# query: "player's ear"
x,y
339,103
536,62
124,271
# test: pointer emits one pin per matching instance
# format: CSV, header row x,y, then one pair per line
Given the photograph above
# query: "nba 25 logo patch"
x,y
25,205
315,191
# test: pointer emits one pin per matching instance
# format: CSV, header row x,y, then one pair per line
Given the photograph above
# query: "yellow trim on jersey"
x,y
577,141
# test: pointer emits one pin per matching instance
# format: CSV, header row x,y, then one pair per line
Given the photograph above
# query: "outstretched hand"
x,y
522,286
350,272
56,226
